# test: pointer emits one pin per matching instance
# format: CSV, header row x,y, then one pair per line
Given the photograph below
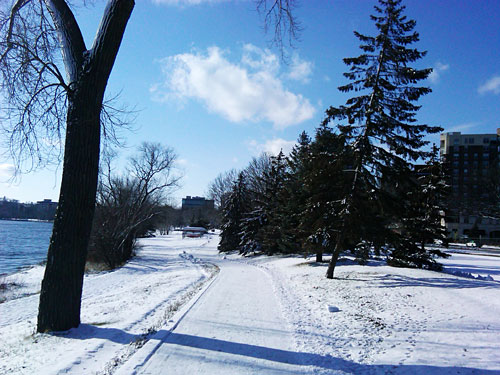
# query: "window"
x,y
456,141
475,155
471,141
486,140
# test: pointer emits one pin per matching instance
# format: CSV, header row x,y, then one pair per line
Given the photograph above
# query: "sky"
x,y
203,78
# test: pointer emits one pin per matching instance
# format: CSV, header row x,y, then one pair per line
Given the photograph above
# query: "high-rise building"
x,y
472,165
197,202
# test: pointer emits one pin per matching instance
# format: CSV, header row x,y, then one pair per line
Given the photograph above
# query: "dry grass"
x,y
6,286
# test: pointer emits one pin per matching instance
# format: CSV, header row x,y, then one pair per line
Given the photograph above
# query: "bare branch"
x,y
279,17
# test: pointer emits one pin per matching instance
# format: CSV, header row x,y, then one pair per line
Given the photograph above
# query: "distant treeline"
x,y
13,209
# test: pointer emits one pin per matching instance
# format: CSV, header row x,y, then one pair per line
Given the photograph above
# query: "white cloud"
x,y
6,172
437,70
186,2
492,85
273,146
247,91
260,59
300,70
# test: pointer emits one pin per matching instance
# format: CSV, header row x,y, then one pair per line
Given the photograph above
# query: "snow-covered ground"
x,y
264,315
120,309
377,319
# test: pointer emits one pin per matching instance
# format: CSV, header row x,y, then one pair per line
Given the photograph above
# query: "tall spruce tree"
x,y
272,234
262,227
233,210
292,198
421,224
379,127
322,182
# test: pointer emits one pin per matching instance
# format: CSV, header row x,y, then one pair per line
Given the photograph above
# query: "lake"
x,y
22,244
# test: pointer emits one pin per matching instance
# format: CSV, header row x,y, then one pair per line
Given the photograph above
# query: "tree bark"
x,y
335,257
60,296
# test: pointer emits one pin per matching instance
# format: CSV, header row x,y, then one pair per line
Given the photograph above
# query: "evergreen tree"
x,y
379,128
293,198
262,227
233,210
322,182
422,225
253,219
272,234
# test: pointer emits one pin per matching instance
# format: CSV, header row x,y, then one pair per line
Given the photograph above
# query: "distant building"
x,y
472,165
197,202
46,204
46,209
41,210
198,212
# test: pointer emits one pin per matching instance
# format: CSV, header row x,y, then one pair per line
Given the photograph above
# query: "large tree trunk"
x,y
60,296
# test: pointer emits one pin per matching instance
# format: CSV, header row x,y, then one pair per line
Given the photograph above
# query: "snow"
x,y
262,315
394,320
236,327
118,308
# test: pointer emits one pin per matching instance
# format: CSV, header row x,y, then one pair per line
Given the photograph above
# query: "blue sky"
x,y
206,81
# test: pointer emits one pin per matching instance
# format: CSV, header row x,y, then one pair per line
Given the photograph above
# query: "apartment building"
x,y
472,165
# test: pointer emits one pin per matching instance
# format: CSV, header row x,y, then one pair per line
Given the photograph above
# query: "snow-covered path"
x,y
236,327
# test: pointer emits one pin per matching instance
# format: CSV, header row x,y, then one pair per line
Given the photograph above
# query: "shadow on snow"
x,y
86,331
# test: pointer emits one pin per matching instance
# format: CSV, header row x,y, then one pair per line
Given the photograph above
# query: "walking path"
x,y
236,327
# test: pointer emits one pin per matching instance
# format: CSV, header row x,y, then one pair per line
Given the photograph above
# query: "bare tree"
x,y
54,89
255,171
221,186
128,204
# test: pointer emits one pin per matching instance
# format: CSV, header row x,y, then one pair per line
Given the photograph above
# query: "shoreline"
x,y
28,220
